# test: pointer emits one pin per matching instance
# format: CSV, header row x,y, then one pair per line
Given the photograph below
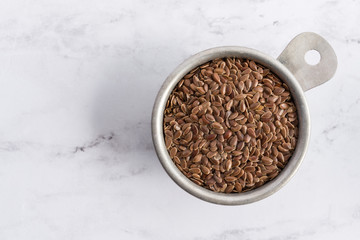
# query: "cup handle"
x,y
293,57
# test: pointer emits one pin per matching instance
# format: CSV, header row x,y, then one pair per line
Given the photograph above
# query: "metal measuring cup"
x,y
291,68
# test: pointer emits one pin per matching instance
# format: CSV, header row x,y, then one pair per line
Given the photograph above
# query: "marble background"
x,y
77,83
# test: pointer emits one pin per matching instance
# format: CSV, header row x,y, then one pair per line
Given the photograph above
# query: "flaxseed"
x,y
230,125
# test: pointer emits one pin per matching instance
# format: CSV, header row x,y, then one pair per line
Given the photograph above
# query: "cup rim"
x,y
268,188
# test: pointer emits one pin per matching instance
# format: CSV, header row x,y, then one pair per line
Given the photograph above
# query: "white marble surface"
x,y
77,84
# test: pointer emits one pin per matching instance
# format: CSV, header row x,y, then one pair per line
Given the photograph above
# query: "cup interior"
x,y
231,198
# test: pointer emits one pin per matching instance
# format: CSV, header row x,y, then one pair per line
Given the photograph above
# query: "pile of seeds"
x,y
230,125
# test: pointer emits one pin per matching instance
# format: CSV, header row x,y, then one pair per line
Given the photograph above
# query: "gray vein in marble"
x,y
260,232
100,139
326,132
243,234
356,214
9,147
353,40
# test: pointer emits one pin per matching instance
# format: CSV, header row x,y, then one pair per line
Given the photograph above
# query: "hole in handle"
x,y
312,57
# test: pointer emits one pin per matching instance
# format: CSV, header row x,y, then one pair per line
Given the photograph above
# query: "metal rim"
x,y
235,198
